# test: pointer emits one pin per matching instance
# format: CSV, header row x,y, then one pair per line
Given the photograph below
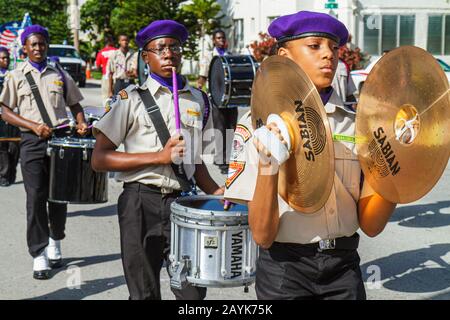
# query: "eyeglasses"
x,y
160,51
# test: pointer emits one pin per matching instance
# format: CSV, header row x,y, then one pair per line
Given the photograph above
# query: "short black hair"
x,y
123,35
218,31
109,39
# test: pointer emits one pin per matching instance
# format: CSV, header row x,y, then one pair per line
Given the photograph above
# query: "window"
x,y
387,32
238,33
63,52
439,35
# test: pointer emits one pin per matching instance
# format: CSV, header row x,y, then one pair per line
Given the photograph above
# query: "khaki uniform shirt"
x,y
342,82
205,61
119,64
129,123
338,217
17,93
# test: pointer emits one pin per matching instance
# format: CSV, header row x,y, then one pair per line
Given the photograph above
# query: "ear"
x,y
283,52
144,56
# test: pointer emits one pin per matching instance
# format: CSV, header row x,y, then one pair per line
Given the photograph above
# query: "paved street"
x,y
411,257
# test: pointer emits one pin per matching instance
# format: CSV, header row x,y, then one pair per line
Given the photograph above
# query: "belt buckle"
x,y
327,244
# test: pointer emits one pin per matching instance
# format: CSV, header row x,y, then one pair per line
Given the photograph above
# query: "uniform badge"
x,y
193,112
123,94
109,103
234,171
243,132
58,83
238,147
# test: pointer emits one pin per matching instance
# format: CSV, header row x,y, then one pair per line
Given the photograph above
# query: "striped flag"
x,y
7,37
8,33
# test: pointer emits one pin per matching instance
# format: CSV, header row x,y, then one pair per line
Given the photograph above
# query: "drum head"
x,y
217,81
93,112
209,208
210,205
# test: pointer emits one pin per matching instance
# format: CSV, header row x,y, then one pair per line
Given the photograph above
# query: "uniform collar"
x,y
129,52
154,86
26,67
334,102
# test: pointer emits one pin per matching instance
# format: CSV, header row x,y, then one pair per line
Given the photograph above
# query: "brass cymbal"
x,y
282,87
402,125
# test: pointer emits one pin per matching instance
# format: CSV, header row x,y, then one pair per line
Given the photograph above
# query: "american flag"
x,y
8,33
7,37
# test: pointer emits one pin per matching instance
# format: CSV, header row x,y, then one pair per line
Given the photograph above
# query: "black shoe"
x,y
41,275
55,264
4,182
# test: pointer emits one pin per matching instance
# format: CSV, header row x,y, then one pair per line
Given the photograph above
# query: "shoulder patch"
x,y
234,171
110,103
243,132
123,94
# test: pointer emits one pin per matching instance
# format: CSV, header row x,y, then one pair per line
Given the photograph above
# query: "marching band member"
x,y
146,167
9,150
224,119
36,89
305,256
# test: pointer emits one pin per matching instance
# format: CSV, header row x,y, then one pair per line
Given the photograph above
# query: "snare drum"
x,y
8,132
210,247
72,179
230,80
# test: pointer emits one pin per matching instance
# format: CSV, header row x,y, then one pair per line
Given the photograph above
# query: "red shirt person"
x,y
101,61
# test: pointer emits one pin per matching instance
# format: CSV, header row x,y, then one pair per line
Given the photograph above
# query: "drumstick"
x,y
226,205
175,99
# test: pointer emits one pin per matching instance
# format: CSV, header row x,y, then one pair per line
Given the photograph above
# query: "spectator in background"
x,y
122,67
101,61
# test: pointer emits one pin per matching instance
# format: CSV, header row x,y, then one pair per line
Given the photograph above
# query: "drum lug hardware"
x,y
49,151
61,153
179,272
85,155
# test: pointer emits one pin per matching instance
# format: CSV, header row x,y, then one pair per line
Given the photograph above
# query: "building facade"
x,y
375,25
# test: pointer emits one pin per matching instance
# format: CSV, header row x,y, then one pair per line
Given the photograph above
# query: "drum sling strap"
x,y
38,98
164,135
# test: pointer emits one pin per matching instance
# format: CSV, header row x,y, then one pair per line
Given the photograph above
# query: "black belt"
x,y
342,243
138,186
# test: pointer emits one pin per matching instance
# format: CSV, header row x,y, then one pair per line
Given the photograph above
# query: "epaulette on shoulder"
x,y
124,93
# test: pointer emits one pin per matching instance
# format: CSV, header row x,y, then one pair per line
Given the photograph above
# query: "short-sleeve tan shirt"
x,y
129,123
119,63
339,216
17,93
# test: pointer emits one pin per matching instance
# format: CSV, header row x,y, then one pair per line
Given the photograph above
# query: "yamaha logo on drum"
x,y
312,130
236,254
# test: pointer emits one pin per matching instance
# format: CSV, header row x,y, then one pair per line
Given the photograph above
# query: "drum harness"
x,y
188,186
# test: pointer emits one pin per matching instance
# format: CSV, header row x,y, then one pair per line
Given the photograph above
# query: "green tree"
x,y
199,17
50,13
95,16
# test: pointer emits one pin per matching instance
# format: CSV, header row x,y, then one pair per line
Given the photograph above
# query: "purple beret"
x,y
34,29
161,29
306,24
4,49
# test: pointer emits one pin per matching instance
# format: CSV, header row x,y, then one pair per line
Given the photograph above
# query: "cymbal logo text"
x,y
382,154
312,130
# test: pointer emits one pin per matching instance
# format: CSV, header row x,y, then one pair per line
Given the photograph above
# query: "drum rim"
x,y
74,143
179,210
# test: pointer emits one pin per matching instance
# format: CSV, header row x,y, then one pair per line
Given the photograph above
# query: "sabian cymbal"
x,y
283,88
403,123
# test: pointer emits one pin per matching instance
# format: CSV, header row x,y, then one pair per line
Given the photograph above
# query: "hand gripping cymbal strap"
x,y
38,98
187,186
